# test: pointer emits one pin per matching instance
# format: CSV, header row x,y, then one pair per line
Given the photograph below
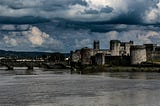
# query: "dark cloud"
x,y
90,11
102,27
78,38
81,2
64,25
22,20
102,10
106,9
119,12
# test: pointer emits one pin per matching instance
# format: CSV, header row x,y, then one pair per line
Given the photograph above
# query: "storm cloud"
x,y
22,11
64,25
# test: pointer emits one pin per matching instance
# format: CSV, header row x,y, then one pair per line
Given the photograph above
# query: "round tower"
x,y
138,54
115,47
96,45
86,54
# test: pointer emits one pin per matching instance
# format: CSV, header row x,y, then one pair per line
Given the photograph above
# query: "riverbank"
x,y
94,69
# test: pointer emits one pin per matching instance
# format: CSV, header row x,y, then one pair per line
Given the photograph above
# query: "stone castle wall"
x,y
153,56
115,47
120,48
86,54
138,54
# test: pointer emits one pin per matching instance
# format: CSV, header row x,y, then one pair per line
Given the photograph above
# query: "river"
x,y
60,88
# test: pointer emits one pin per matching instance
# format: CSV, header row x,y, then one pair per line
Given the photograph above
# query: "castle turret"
x,y
115,47
138,54
86,54
96,45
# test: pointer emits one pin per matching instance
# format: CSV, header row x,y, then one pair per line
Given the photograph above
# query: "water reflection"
x,y
131,75
120,75
41,87
35,71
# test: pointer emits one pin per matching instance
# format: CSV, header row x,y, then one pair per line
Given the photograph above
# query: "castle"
x,y
120,53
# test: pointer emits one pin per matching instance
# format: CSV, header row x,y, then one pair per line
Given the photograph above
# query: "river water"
x,y
60,88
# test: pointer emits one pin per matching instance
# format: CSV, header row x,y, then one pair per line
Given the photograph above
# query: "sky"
x,y
65,25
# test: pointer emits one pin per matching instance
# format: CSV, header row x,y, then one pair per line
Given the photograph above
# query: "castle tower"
x,y
86,54
115,47
127,47
150,48
96,45
138,54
